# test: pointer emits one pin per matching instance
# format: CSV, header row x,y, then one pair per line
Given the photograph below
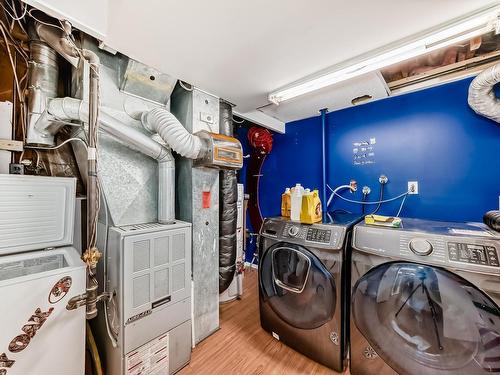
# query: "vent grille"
x,y
136,227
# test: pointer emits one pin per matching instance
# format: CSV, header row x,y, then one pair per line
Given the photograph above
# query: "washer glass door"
x,y
426,320
297,286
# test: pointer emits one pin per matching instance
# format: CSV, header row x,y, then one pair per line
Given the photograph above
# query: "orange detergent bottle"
x,y
286,203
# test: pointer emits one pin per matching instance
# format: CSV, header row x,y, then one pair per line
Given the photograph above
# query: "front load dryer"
x,y
425,299
302,285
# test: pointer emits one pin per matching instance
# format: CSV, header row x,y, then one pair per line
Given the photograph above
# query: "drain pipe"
x,y
482,98
61,40
323,152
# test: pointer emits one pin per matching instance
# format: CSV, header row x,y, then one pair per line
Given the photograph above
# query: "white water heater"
x,y
39,273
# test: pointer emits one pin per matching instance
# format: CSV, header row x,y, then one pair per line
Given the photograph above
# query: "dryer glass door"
x,y
297,286
426,320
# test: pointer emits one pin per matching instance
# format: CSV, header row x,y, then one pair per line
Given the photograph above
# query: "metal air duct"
x,y
74,109
43,75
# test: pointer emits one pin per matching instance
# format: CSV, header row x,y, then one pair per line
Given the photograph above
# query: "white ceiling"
x,y
241,50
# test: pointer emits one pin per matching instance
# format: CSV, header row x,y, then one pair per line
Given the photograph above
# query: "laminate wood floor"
x,y
242,347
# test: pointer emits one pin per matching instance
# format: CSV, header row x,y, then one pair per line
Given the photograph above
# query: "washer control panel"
x,y
291,230
473,253
318,235
420,246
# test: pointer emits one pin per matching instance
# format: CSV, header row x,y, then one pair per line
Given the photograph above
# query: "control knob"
x,y
420,246
293,231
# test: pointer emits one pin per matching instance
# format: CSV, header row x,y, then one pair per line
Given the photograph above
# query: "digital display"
x,y
472,253
318,235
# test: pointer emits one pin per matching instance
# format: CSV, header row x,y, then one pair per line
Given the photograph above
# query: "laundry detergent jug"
x,y
286,203
311,211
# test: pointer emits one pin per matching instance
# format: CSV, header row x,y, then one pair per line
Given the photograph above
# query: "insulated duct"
x,y
74,109
482,98
228,196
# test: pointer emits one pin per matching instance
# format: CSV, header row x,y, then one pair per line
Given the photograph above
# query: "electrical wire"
x,y
402,204
105,269
30,13
360,202
14,18
238,122
19,92
60,145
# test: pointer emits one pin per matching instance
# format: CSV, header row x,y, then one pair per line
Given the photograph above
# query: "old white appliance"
x,y
39,274
148,272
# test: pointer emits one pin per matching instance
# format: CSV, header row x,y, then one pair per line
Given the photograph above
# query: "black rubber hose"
x,y
492,219
228,196
380,199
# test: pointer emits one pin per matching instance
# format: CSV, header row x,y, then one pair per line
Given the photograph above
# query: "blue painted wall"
x,y
431,136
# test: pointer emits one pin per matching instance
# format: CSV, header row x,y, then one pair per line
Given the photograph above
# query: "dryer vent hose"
x,y
161,121
492,219
482,98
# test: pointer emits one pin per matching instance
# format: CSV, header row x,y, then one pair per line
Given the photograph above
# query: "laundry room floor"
x,y
242,347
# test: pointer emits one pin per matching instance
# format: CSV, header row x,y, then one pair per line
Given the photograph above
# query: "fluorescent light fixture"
x,y
480,24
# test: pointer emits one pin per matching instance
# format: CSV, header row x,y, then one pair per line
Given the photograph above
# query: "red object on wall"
x,y
205,199
261,141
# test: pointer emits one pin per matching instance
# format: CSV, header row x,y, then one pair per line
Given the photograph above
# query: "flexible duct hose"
x,y
482,98
161,121
228,197
492,219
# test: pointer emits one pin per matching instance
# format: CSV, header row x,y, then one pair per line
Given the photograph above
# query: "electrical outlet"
x,y
412,187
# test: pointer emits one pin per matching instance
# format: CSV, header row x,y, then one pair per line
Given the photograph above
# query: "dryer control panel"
x,y
473,253
463,246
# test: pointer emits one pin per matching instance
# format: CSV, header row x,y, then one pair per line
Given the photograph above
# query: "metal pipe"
x,y
323,153
43,75
61,40
74,109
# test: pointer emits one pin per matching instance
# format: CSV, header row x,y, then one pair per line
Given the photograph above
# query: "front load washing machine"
x,y
425,299
302,285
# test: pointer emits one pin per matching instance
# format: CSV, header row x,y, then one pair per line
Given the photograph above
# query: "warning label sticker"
x,y
149,359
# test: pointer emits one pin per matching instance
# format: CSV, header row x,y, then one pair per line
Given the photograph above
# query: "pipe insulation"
x,y
75,109
161,121
228,197
482,98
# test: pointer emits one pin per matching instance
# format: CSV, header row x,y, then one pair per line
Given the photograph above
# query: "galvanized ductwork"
x,y
43,75
228,196
482,98
74,109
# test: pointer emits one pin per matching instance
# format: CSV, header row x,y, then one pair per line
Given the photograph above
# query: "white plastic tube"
x,y
482,98
161,121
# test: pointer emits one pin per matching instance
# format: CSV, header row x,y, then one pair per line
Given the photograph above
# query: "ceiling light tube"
x,y
458,32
